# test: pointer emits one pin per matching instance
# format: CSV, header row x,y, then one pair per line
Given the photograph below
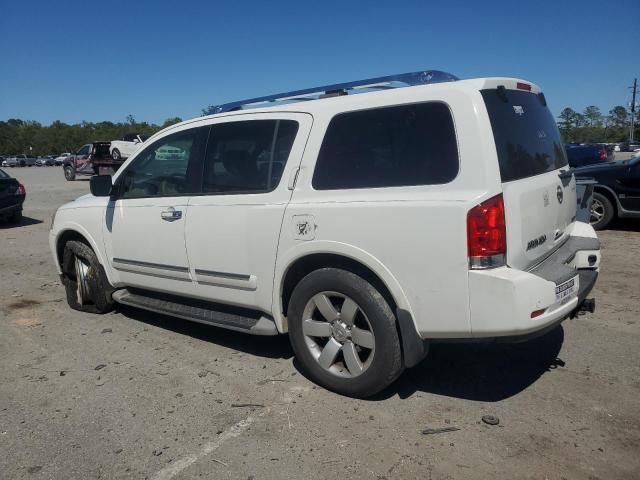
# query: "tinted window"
x,y
84,150
388,147
248,156
162,168
526,135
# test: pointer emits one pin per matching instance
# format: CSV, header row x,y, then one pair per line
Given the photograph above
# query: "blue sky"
x,y
84,60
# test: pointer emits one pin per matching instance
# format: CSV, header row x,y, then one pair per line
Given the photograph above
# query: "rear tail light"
x,y
603,154
21,190
487,234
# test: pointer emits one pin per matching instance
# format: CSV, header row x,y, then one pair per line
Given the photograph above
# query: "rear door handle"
x,y
171,214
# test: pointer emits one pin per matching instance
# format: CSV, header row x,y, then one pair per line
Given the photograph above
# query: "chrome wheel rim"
x,y
597,211
338,334
82,284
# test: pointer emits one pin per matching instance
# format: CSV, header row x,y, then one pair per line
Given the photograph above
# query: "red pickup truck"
x,y
89,160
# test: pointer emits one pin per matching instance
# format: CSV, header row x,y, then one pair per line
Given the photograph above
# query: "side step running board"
x,y
239,319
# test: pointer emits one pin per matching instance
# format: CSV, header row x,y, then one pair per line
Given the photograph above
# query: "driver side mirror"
x,y
100,185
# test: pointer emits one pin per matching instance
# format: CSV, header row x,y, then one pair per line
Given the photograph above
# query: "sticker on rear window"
x,y
518,109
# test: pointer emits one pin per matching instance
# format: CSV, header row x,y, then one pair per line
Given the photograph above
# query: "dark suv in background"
x,y
617,193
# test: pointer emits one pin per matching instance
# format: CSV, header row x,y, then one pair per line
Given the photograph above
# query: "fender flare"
x,y
77,228
287,259
612,192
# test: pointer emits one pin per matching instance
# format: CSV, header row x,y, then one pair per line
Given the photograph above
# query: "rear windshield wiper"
x,y
565,176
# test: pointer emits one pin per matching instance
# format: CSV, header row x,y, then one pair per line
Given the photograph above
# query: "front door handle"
x,y
171,214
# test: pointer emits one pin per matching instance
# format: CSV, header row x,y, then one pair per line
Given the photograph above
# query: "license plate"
x,y
567,289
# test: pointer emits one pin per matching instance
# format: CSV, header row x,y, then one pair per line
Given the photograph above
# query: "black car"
x,y
629,146
12,194
617,192
581,155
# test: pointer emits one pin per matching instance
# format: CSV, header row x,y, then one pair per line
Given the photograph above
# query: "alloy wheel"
x,y
338,334
597,211
82,283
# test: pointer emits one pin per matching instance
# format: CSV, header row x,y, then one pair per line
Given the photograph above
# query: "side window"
x,y
397,146
247,156
161,169
84,150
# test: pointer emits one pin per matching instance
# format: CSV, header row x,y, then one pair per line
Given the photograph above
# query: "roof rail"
x,y
390,81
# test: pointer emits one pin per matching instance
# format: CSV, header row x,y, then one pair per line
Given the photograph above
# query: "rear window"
x,y
526,135
396,146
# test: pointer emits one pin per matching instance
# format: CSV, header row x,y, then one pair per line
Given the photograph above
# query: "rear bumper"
x,y
502,300
10,209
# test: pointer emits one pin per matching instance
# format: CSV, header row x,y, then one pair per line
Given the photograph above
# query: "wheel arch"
x,y
78,233
311,256
611,196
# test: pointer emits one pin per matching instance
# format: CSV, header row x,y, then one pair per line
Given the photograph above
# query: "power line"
x,y
633,110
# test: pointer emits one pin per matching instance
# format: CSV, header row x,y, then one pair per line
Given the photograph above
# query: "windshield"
x,y
526,135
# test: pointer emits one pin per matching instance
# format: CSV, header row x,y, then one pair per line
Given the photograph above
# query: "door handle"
x,y
171,214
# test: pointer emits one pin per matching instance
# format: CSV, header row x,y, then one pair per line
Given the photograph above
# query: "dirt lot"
x,y
138,395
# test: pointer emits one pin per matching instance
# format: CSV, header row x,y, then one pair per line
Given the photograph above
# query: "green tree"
x,y
566,123
16,135
592,116
171,121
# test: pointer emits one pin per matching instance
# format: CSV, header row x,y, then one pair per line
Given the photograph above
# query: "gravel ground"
x,y
138,395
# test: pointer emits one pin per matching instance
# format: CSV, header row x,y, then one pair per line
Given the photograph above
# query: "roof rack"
x,y
377,83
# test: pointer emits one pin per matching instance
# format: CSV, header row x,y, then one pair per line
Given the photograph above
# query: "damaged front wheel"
x,y
85,281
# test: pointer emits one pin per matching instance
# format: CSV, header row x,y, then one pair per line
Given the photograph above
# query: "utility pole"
x,y
633,110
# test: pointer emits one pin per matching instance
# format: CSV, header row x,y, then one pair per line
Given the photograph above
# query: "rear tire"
x,y
84,279
602,211
344,333
69,173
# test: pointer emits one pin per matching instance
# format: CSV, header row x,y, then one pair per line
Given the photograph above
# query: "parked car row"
x,y
30,160
627,147
19,161
118,150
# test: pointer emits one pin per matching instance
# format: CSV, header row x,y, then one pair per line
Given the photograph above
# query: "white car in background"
x,y
121,149
61,158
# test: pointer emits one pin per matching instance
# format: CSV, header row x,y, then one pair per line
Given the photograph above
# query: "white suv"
x,y
422,209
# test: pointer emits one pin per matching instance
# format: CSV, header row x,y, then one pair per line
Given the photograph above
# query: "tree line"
x,y
29,137
592,126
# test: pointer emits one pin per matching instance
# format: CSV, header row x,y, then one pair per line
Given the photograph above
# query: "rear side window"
x,y
525,133
396,146
248,156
